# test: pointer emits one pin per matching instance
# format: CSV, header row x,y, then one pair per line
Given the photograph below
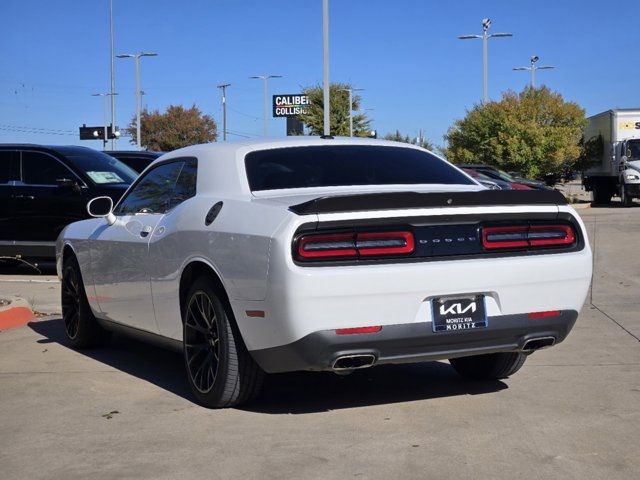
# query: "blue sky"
x,y
405,55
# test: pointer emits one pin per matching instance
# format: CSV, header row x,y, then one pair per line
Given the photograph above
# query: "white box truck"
x,y
618,172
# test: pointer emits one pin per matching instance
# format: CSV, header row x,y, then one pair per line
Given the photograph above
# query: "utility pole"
x,y
104,116
136,57
223,87
113,78
325,69
486,23
265,79
533,67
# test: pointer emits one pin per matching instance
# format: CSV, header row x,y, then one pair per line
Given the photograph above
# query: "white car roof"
x,y
221,167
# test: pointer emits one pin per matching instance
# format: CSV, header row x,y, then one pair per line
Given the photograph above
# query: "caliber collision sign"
x,y
290,105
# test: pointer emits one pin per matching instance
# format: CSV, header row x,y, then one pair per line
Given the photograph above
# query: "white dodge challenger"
x,y
323,254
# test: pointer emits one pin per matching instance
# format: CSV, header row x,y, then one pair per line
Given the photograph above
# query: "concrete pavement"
x,y
572,412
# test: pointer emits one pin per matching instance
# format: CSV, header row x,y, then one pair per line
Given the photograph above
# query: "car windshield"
x,y
347,165
634,146
101,168
498,174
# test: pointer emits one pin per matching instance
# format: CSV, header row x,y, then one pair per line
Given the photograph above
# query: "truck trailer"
x,y
618,172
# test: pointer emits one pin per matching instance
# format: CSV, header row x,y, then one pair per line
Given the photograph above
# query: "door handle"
x,y
23,197
145,231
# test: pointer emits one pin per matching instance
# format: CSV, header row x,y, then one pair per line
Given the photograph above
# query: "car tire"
x,y
220,370
601,195
493,366
80,325
625,199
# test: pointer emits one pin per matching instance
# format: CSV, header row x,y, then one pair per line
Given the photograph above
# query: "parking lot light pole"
x,y
136,57
326,120
486,23
223,87
533,68
113,75
265,79
350,91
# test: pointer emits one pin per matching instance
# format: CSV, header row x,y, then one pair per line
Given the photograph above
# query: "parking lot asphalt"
x,y
572,412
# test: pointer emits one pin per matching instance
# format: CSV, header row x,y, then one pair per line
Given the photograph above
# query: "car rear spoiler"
x,y
405,200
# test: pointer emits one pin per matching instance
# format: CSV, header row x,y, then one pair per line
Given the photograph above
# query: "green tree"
x,y
176,128
421,142
339,115
535,132
591,153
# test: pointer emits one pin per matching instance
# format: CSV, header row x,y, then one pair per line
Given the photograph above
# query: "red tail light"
x,y
341,245
527,236
385,243
353,245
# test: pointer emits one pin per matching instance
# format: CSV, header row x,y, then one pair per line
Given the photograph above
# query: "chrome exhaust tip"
x,y
353,362
538,343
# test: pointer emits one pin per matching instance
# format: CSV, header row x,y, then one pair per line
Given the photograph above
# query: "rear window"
x,y
306,167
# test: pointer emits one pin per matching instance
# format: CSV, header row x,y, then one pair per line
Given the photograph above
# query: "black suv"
x,y
136,159
43,189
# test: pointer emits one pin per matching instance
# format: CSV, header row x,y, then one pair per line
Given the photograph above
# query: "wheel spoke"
x,y
195,326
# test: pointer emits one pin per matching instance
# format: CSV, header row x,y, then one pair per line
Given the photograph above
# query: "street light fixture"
x,y
104,115
136,57
486,23
533,67
223,87
265,79
351,90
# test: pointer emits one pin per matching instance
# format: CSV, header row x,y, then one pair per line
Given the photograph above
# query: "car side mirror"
x,y
102,207
628,152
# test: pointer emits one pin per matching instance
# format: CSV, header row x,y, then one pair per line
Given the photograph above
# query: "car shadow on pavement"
x,y
156,365
311,392
287,393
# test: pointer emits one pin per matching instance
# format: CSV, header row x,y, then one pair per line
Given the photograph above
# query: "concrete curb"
x,y
580,206
14,312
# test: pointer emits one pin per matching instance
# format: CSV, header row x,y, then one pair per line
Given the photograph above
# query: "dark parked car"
x,y
43,189
136,159
497,174
490,183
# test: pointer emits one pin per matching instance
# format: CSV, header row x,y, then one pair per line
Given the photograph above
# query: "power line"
x,y
242,113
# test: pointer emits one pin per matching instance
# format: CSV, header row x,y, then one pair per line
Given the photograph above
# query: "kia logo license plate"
x,y
459,313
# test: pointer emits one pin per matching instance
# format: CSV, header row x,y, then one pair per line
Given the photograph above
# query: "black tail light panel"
x,y
453,238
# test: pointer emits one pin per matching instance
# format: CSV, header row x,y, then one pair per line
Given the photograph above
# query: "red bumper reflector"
x,y
547,314
351,331
255,313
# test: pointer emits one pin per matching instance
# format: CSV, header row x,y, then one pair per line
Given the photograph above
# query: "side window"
x,y
41,169
154,191
8,166
186,184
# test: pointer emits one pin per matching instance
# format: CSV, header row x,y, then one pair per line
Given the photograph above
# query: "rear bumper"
x,y
414,342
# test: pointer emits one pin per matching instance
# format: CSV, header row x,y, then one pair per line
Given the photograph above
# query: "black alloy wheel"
x,y
80,325
202,342
220,369
71,301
